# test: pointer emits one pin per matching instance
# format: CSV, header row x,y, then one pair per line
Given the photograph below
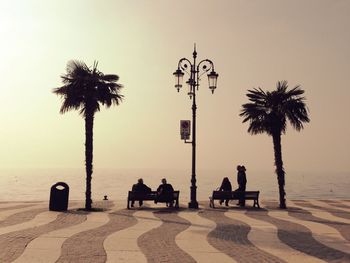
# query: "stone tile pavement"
x,y
308,231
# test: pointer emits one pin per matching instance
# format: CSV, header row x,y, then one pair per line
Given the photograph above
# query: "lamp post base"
x,y
193,204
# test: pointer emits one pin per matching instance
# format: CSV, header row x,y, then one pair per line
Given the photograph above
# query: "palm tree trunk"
x,y
89,124
279,167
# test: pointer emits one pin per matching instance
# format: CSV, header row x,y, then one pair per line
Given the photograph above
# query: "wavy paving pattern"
x,y
297,235
327,214
346,203
80,246
339,212
264,235
330,204
48,246
10,206
20,215
309,231
159,244
231,237
13,244
194,241
87,246
309,213
338,203
122,246
323,233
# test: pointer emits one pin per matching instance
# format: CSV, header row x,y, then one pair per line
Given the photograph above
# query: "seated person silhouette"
x,y
165,193
140,187
225,186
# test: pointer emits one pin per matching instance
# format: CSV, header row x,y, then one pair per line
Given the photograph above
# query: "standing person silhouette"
x,y
242,182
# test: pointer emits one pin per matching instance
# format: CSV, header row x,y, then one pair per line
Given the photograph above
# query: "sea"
x,y
35,184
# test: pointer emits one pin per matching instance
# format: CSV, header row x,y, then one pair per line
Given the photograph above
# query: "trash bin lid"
x,y
59,186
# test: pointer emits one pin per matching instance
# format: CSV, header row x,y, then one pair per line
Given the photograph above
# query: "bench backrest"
x,y
251,194
222,194
176,194
141,195
235,194
148,195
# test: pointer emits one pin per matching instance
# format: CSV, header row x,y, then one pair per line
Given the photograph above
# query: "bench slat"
x,y
235,195
150,196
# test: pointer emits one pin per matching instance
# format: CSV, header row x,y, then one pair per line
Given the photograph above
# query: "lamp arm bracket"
x,y
187,141
185,65
207,65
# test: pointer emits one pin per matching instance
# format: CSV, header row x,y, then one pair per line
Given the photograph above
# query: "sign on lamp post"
x,y
185,129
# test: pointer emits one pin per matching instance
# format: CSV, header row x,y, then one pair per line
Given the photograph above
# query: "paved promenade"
x,y
309,231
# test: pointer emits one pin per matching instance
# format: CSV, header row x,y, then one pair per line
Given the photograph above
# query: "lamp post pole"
x,y
193,203
193,82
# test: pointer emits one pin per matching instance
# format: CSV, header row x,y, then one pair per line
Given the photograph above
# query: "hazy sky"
x,y
252,43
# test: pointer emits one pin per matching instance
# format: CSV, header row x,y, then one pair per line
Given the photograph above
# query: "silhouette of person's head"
x,y
243,168
225,180
239,168
163,181
140,181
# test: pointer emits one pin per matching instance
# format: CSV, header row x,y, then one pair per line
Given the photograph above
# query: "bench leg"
x,y
256,203
211,203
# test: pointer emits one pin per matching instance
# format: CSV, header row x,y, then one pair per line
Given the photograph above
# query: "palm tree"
x,y
84,89
268,112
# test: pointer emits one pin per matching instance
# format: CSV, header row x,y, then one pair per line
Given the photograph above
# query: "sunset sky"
x,y
252,44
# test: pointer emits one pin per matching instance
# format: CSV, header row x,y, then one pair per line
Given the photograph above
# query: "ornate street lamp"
x,y
195,72
212,79
178,77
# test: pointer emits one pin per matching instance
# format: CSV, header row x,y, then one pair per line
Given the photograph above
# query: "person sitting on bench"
x,y
225,186
165,193
140,187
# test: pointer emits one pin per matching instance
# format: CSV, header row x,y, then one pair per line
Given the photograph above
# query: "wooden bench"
x,y
151,196
234,195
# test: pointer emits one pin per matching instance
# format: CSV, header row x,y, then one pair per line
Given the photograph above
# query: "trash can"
x,y
59,197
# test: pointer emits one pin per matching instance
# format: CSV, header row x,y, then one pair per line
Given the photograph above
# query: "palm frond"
x,y
268,111
110,78
86,88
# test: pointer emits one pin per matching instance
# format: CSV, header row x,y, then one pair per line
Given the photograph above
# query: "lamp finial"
x,y
194,51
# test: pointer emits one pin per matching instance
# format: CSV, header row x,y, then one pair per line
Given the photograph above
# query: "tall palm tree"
x,y
84,89
268,112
